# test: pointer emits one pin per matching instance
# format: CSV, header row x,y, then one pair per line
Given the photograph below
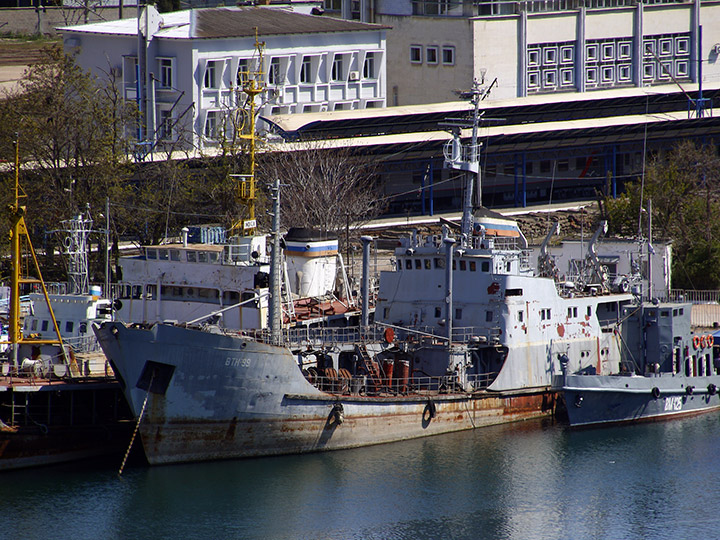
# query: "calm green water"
x,y
523,481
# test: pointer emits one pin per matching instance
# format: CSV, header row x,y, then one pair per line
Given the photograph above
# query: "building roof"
x,y
229,22
241,22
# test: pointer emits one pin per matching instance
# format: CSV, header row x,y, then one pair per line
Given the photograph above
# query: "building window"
x,y
624,50
649,71
591,76
448,55
533,58
624,74
681,69
306,70
415,54
243,72
274,73
337,73
166,124
166,72
566,54
533,79
566,77
608,74
369,68
550,56
431,55
211,72
591,53
549,78
608,51
666,47
211,125
682,45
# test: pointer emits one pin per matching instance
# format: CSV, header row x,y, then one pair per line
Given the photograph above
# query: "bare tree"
x,y
327,187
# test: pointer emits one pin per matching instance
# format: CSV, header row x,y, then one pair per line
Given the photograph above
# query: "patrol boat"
x,y
204,392
666,370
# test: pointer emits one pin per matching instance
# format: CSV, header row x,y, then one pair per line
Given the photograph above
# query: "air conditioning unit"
x,y
354,75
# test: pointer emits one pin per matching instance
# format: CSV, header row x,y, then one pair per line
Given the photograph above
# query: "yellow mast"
x,y
253,85
18,231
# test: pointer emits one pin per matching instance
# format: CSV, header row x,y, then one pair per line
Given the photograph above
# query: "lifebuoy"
x,y
696,341
389,335
703,341
710,340
655,392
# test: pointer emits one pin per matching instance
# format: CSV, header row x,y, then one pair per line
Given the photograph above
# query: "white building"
x,y
192,66
542,46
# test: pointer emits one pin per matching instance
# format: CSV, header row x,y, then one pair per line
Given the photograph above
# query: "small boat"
x,y
667,372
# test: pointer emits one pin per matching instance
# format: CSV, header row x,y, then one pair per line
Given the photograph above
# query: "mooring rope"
x,y
137,425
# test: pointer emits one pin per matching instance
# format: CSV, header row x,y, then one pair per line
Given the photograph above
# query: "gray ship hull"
x,y
212,396
607,399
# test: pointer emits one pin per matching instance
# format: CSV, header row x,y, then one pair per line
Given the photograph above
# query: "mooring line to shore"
x,y
137,426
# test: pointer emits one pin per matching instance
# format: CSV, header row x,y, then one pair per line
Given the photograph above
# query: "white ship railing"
x,y
83,344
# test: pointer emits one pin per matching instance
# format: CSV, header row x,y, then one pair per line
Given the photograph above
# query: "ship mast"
x,y
467,157
18,233
275,314
253,85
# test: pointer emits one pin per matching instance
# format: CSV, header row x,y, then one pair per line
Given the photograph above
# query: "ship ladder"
x,y
137,425
370,366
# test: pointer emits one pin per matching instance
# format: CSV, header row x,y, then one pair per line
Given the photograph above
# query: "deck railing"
x,y
363,384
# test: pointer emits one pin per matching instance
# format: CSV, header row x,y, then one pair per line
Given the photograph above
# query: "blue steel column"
x,y
432,179
524,182
614,171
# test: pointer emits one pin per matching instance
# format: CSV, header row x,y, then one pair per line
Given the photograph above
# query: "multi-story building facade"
x,y
542,46
187,69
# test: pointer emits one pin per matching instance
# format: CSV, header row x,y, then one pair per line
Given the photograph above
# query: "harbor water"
x,y
530,480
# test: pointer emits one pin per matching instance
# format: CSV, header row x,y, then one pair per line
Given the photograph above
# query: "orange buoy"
x,y
696,341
